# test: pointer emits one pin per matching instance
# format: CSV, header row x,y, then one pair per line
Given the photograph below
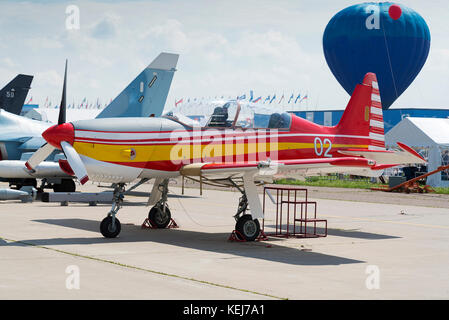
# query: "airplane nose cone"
x,y
58,133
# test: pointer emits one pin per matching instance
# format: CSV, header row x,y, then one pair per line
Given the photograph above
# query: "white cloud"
x,y
439,60
106,28
50,78
8,62
43,43
170,33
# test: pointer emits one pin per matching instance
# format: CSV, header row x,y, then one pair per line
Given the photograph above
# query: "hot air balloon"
x,y
388,39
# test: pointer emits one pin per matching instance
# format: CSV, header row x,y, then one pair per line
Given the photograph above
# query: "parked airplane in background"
x,y
13,95
20,137
144,96
121,150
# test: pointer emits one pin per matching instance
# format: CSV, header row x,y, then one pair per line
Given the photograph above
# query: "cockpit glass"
x,y
279,121
246,116
226,114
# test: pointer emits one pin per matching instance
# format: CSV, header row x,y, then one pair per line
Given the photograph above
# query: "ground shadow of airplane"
x,y
212,242
337,232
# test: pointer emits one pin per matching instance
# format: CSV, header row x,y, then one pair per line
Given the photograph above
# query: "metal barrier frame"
x,y
292,192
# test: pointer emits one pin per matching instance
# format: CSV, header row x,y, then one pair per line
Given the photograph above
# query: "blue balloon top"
x,y
367,38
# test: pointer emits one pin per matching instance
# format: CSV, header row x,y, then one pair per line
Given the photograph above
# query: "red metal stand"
x,y
148,224
288,196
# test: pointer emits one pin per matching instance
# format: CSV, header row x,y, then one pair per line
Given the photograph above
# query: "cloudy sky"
x,y
226,48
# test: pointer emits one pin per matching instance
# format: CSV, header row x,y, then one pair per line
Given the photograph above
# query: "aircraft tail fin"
x,y
13,95
146,95
363,115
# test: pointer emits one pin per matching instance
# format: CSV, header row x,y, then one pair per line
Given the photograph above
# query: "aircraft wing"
x,y
362,162
273,168
383,157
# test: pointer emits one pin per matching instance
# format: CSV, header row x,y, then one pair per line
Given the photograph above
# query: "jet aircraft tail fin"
x,y
363,115
146,95
13,95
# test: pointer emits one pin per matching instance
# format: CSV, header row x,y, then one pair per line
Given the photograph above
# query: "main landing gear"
x,y
110,226
246,227
160,215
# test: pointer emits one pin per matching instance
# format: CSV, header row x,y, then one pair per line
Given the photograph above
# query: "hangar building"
x,y
430,138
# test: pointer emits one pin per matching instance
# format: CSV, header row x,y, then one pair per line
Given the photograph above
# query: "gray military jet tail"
x,y
146,95
13,95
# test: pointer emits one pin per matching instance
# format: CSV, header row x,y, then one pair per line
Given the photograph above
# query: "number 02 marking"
x,y
319,147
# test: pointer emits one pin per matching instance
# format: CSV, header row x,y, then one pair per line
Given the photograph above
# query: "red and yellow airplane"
x,y
120,150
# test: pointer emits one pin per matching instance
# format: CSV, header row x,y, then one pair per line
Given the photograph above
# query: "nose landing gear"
x,y
110,227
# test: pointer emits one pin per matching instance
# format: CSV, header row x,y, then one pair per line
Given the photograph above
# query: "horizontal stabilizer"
x,y
383,157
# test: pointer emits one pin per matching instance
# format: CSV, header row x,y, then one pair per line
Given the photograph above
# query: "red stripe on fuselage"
x,y
231,137
102,131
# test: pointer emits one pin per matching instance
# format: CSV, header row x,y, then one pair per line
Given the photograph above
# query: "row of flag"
x,y
83,105
269,99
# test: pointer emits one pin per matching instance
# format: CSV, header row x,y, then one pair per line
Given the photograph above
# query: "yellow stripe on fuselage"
x,y
173,152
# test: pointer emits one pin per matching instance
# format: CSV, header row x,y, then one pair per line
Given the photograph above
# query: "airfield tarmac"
x,y
392,249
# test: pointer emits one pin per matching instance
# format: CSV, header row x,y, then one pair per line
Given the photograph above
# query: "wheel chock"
x,y
148,224
234,236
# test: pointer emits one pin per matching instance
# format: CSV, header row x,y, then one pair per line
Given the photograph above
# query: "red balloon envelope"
x,y
395,11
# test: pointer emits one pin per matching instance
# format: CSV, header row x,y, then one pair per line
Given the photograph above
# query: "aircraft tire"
x,y
247,228
26,182
66,185
157,217
106,227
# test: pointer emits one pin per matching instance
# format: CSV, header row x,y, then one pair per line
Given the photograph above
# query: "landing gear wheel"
x,y
158,217
109,231
23,182
247,227
66,185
